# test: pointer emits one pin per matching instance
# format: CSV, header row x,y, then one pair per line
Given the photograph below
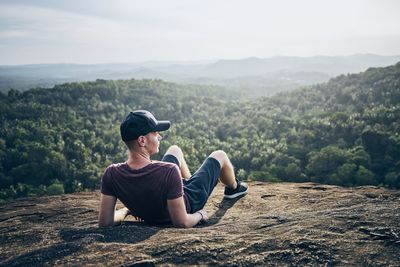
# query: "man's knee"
x,y
221,156
176,151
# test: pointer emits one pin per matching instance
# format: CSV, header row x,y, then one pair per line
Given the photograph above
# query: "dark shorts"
x,y
200,186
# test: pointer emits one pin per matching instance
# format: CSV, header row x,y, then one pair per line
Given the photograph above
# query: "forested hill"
x,y
258,76
344,132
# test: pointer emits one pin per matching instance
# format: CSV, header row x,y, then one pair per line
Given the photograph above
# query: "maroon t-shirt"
x,y
145,191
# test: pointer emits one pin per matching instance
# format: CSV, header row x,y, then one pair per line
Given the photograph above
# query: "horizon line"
x,y
195,62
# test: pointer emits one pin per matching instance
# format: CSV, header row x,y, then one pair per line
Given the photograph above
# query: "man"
x,y
158,192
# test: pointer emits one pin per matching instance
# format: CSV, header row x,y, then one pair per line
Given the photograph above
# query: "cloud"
x,y
13,34
47,24
94,31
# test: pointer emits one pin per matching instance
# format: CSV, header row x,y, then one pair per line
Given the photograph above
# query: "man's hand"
x,y
179,216
108,216
204,216
120,215
137,218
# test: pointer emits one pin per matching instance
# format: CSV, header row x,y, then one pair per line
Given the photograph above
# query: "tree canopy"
x,y
343,132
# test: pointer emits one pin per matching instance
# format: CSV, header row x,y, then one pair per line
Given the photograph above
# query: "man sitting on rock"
x,y
154,191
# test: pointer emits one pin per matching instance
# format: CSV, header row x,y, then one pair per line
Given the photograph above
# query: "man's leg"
x,y
200,186
233,187
227,175
176,151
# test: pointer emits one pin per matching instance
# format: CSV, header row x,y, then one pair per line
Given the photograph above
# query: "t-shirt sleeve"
x,y
175,185
106,183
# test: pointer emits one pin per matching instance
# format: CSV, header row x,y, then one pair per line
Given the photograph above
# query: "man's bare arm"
x,y
107,215
179,216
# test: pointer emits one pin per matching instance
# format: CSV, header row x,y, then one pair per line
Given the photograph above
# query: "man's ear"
x,y
141,141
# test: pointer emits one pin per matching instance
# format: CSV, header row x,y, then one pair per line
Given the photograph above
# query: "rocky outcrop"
x,y
275,224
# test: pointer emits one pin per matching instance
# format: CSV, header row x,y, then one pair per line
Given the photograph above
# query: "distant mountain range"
x,y
259,76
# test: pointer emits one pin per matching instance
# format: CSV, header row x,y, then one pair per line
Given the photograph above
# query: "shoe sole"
x,y
236,195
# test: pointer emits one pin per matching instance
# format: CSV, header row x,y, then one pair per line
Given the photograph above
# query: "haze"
x,y
135,31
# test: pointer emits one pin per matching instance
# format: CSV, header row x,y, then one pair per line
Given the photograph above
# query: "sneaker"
x,y
240,190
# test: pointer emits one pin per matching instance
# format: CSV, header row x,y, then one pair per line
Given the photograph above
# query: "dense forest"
x,y
344,132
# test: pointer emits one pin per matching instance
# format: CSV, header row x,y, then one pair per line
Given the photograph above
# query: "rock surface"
x,y
275,224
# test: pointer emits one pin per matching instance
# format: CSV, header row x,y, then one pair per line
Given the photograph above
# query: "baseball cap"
x,y
141,122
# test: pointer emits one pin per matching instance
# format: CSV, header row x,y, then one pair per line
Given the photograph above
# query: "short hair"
x,y
131,144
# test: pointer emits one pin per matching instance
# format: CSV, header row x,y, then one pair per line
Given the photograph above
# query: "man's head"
x,y
140,123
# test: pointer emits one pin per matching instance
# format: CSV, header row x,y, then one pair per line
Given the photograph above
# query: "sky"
x,y
113,31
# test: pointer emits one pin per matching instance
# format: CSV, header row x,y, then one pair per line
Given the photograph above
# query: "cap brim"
x,y
163,126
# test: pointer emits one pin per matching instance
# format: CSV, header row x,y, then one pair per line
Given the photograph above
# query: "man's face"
x,y
153,142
